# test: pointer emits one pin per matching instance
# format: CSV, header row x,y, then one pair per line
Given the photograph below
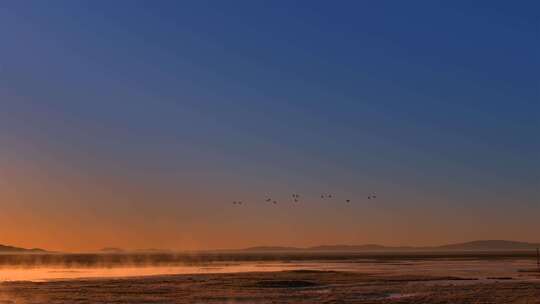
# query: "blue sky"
x,y
435,104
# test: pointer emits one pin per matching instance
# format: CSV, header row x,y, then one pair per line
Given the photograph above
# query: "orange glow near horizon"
x,y
51,210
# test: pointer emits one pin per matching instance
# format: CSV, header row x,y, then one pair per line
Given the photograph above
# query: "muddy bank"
x,y
273,287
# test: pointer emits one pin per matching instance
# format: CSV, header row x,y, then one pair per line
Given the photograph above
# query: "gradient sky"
x,y
135,124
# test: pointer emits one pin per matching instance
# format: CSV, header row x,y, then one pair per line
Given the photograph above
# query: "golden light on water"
x,y
473,268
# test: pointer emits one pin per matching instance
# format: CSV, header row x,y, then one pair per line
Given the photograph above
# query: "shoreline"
x,y
300,286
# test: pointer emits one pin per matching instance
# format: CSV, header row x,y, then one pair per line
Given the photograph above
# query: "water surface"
x,y
480,267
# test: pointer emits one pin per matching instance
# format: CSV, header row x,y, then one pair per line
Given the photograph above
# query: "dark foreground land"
x,y
301,286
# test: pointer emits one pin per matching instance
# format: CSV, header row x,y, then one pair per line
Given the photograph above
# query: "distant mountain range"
x,y
11,249
484,245
146,250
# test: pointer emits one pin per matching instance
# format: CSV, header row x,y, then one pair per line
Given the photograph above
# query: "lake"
x,y
480,266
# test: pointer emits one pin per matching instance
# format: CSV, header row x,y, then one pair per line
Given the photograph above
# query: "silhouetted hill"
x,y
367,247
11,249
134,251
483,245
491,245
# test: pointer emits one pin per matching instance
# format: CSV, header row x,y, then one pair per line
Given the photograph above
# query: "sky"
x,y
136,124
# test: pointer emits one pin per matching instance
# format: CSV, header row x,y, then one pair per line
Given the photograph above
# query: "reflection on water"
x,y
465,268
55,273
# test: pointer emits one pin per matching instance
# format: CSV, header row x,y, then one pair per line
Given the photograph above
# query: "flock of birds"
x,y
296,198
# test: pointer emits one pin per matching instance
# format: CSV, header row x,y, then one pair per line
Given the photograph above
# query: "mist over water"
x,y
44,267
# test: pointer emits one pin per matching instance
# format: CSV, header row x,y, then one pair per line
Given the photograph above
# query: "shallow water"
x,y
56,273
478,269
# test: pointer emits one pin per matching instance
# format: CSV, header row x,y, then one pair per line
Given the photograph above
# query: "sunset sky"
x,y
135,124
